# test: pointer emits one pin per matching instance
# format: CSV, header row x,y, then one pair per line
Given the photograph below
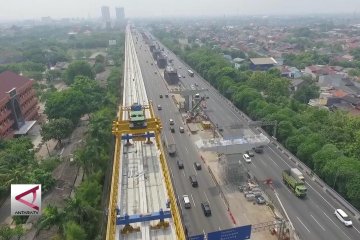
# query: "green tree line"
x,y
83,215
325,141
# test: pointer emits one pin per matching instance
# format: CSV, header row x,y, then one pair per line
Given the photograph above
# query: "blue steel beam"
x,y
131,136
125,220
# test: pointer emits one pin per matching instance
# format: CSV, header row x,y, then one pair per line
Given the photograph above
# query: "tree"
x,y
52,75
99,67
57,129
328,152
68,104
51,217
78,68
307,92
42,177
99,58
7,233
74,232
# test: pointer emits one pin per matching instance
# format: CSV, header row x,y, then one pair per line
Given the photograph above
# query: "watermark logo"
x,y
25,199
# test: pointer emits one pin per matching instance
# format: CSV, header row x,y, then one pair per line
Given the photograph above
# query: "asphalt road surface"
x,y
312,217
194,218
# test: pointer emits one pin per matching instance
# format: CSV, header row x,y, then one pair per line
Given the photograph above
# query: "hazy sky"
x,y
20,9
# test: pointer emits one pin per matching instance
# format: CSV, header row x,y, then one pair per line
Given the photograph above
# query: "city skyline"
x,y
167,8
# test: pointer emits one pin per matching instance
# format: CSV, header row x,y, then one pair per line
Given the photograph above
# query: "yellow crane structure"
x,y
121,127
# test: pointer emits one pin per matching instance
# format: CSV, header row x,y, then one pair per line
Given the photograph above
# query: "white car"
x,y
343,217
247,158
187,203
171,121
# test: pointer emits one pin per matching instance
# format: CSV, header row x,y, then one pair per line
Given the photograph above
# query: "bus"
x,y
191,73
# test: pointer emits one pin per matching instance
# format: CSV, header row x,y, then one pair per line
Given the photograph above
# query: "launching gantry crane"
x,y
138,126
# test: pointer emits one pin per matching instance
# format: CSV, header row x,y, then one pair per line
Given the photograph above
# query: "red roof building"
x,y
18,104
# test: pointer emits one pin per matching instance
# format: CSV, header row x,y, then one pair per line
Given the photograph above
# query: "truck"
x,y
297,186
170,145
297,174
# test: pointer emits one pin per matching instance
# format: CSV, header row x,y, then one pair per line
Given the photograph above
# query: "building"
x,y
105,13
18,105
120,13
262,64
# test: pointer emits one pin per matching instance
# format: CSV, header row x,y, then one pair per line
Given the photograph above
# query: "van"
x,y
193,181
343,217
187,203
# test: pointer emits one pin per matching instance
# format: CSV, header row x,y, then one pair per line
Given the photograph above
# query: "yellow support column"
x,y
111,222
173,203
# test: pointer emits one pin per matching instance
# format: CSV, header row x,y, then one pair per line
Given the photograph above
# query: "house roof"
x,y
339,93
10,80
263,61
351,99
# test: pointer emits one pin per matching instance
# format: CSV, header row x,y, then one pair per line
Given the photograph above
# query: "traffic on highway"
x,y
314,215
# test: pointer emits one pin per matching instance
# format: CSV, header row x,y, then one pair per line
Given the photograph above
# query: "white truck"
x,y
295,173
170,145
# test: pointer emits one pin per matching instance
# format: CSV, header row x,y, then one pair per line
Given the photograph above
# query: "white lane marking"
x,y
282,206
207,198
195,169
172,175
219,228
321,196
336,225
279,157
184,173
356,229
179,202
274,162
302,224
193,200
204,231
186,149
317,222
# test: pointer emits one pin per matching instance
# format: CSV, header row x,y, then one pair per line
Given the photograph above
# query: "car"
x,y
172,129
159,107
186,200
343,217
166,95
183,76
171,121
179,67
181,129
197,165
247,158
260,200
206,208
193,181
180,164
155,72
259,149
161,96
250,153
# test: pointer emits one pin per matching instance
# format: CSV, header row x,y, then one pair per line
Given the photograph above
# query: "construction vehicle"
x,y
170,145
297,186
197,108
295,173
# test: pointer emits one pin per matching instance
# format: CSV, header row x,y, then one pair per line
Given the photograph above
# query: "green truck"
x,y
296,185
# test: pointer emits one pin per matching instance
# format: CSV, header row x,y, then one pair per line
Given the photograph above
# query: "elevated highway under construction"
x,y
142,202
